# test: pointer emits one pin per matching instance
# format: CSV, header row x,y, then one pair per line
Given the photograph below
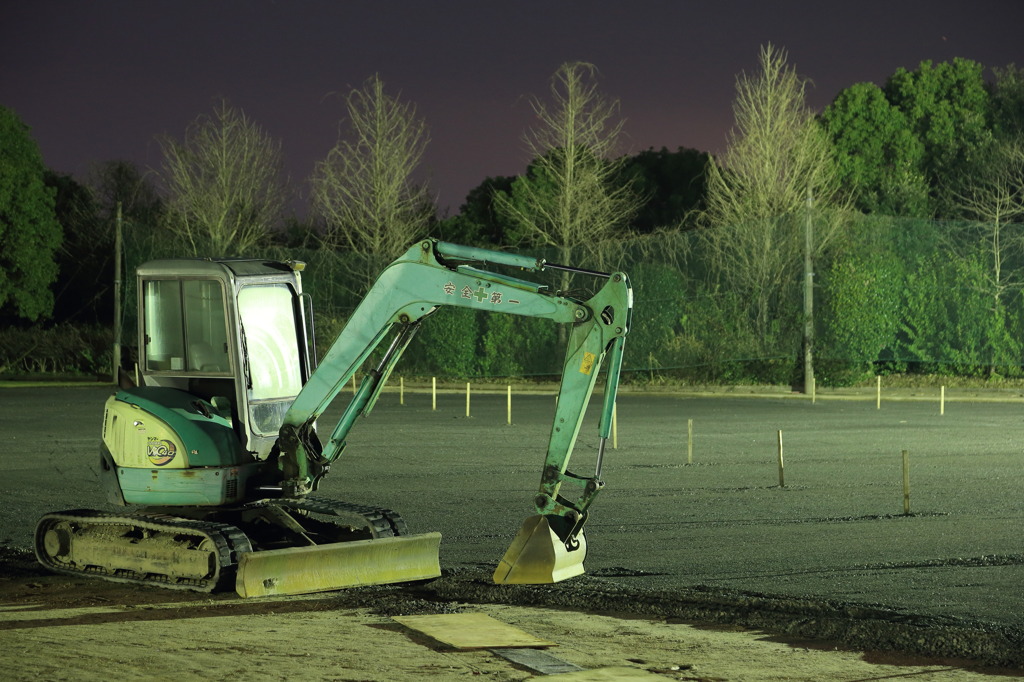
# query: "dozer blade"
x,y
537,556
321,568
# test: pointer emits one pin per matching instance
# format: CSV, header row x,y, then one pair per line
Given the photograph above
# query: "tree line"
x,y
897,209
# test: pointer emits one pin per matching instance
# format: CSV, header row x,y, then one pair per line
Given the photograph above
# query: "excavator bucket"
x,y
321,568
538,555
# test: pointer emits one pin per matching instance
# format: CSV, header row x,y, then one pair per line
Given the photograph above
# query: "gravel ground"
x,y
829,556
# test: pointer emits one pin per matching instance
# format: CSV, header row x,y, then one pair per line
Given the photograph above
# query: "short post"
x,y
814,391
942,400
433,393
782,476
467,398
878,392
508,403
615,425
689,441
353,384
906,483
401,390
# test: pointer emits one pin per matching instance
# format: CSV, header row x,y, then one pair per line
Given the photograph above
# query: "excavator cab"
x,y
232,332
222,355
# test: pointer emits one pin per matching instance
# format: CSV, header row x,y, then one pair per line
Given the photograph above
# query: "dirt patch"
x,y
60,628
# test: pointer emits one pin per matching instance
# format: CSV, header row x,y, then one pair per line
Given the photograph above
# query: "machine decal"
x,y
587,364
480,294
160,451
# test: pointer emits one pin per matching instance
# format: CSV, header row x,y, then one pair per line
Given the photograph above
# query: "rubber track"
x,y
228,542
381,522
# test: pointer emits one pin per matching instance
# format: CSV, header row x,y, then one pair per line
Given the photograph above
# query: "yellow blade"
x,y
320,568
538,556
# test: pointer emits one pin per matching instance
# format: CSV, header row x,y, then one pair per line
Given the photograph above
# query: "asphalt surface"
x,y
719,534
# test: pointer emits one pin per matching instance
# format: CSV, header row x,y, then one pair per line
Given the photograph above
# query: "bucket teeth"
x,y
538,555
320,568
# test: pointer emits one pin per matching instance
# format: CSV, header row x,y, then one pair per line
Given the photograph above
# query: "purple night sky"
x,y
99,80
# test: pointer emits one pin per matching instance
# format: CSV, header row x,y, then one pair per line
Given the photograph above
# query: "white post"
x,y
433,393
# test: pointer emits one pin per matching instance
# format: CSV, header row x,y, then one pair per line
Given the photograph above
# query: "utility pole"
x,y
808,297
117,294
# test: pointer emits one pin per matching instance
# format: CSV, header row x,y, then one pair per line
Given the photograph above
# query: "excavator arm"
x,y
550,545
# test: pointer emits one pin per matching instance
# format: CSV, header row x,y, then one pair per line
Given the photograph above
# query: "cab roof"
x,y
211,267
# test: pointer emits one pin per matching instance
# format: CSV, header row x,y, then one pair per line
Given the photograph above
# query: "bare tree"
x,y
757,196
225,183
118,181
365,190
993,195
569,199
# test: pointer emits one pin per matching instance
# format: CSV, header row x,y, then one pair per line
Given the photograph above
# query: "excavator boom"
x,y
550,545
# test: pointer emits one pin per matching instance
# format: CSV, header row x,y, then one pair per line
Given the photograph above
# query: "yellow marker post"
x,y
401,390
782,476
509,402
433,393
906,483
689,441
615,426
878,392
467,398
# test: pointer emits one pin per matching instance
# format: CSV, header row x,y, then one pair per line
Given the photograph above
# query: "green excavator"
x,y
215,447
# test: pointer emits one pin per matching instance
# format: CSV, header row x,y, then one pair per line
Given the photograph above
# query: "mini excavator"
x,y
215,448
